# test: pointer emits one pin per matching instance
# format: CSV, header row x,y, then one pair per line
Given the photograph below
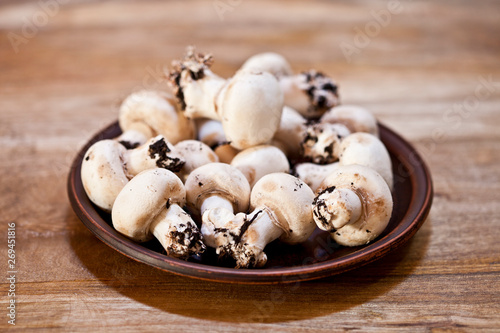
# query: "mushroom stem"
x,y
223,207
242,236
216,226
334,208
215,201
195,85
177,232
262,229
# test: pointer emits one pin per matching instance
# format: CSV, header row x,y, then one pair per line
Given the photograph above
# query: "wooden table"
x,y
429,70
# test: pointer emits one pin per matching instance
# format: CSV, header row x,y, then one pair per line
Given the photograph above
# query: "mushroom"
x,y
311,93
321,142
157,152
271,62
195,85
212,134
210,131
103,173
145,114
313,174
317,142
354,204
355,118
281,208
357,148
366,149
150,205
290,132
216,185
107,166
258,161
250,108
195,153
249,105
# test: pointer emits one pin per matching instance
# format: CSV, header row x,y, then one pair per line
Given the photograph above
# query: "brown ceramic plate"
x,y
318,257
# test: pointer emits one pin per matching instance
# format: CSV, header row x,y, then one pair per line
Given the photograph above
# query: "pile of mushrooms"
x,y
235,164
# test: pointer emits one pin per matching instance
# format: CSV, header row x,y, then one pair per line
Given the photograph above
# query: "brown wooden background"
x,y
431,72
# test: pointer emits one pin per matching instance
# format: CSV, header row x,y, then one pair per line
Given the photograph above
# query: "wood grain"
x,y
420,74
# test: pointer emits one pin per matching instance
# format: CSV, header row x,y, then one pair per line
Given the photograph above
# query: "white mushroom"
x,y
151,205
195,85
250,108
355,118
311,93
212,134
210,131
271,62
290,133
107,166
366,149
321,143
195,153
354,204
281,208
313,174
103,173
145,114
216,185
317,142
259,161
157,152
357,148
249,105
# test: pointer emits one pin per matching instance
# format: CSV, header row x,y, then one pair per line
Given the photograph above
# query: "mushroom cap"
x,y
135,135
355,118
294,95
288,199
195,153
210,132
376,200
218,179
258,161
102,172
250,108
313,174
271,62
311,93
142,200
226,152
366,149
158,111
290,132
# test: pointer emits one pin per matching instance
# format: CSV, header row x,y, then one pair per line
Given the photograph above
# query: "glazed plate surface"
x,y
318,257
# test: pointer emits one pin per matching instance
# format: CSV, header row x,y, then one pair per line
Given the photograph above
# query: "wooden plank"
x,y
431,73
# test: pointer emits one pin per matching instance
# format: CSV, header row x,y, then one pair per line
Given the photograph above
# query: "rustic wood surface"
x,y
428,69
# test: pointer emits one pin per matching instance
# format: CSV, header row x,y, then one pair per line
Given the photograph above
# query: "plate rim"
x,y
413,219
